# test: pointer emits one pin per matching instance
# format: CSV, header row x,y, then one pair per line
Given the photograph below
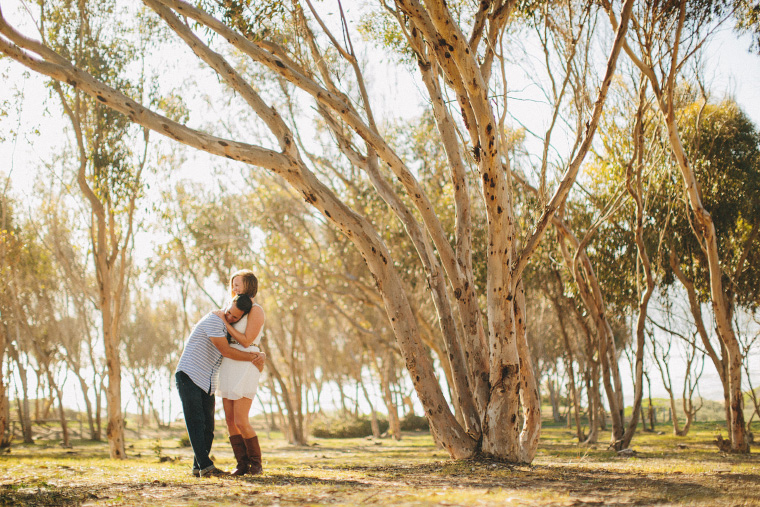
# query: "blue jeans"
x,y
198,406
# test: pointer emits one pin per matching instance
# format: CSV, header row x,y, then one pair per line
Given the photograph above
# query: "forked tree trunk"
x,y
385,369
61,413
635,187
591,295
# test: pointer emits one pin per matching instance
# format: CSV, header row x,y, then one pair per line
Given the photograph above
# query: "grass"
x,y
665,470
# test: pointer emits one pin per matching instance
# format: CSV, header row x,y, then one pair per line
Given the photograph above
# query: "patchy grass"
x,y
665,470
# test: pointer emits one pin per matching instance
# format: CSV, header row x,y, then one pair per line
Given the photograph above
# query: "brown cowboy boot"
x,y
241,455
254,455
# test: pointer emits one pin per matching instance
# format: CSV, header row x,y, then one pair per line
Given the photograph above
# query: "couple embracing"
x,y
222,356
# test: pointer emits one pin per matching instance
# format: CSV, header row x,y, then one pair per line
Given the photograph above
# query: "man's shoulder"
x,y
211,322
211,316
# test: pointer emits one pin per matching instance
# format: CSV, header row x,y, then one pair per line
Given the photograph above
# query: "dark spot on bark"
x,y
418,378
457,292
476,153
508,371
229,157
373,250
441,42
72,82
327,214
223,144
279,64
489,128
498,209
447,54
513,418
385,261
509,298
102,99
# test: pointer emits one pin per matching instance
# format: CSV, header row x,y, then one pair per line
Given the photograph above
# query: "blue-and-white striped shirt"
x,y
201,359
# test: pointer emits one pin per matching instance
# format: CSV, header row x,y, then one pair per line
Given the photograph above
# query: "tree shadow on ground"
x,y
584,485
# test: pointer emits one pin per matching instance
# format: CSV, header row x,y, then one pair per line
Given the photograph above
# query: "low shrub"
x,y
345,428
414,423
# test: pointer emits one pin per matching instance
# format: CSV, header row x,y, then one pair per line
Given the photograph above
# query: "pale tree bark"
x,y
719,360
664,88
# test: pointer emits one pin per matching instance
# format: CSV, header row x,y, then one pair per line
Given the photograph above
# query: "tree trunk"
x,y
573,394
636,190
4,404
373,412
591,295
62,416
294,430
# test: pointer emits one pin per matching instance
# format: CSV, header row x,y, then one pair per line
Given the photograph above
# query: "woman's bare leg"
x,y
229,415
240,409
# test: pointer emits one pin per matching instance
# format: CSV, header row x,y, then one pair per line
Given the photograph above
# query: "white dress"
x,y
239,379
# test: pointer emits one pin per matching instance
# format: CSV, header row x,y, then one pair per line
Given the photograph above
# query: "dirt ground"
x,y
663,471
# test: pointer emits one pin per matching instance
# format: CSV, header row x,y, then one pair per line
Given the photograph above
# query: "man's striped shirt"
x,y
201,359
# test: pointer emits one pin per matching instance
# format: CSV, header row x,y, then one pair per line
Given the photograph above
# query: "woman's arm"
x,y
220,342
252,328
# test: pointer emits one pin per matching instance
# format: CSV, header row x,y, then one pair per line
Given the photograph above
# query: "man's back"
x,y
201,359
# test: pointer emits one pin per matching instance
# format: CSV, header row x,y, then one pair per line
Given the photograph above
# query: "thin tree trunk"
x,y
373,413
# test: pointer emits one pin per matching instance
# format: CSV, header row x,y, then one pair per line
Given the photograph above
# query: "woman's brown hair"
x,y
250,283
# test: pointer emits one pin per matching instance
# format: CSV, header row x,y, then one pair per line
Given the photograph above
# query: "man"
x,y
196,378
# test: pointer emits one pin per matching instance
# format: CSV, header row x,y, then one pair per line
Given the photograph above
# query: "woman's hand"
x,y
220,314
258,360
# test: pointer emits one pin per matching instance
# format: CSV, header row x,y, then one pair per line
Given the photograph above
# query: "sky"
x,y
33,129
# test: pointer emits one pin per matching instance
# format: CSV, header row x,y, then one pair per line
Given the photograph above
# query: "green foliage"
x,y
724,148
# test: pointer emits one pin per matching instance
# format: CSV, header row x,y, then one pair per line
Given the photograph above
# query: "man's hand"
x,y
258,360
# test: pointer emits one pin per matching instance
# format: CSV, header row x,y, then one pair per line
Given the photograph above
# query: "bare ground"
x,y
663,471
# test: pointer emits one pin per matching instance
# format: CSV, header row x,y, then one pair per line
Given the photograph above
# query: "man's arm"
x,y
220,342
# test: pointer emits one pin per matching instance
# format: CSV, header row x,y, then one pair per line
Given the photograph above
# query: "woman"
x,y
239,381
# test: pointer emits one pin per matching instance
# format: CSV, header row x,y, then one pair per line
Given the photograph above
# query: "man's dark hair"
x,y
243,302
